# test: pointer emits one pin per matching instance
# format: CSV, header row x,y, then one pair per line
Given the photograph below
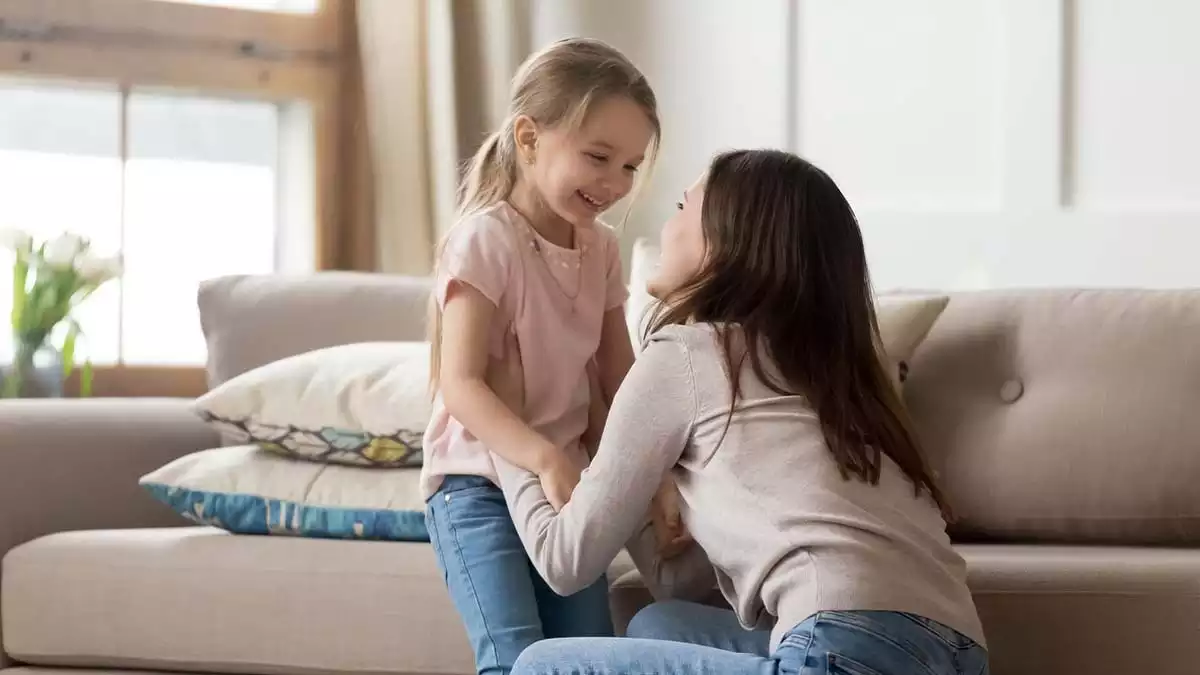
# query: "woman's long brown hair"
x,y
787,270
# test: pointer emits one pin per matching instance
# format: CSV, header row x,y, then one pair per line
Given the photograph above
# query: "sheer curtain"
x,y
434,81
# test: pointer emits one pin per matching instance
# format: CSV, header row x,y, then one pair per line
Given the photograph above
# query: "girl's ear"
x,y
525,134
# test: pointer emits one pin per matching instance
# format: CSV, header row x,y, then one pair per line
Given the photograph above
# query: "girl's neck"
x,y
529,203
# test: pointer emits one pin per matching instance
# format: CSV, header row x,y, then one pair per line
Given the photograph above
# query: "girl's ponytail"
x,y
491,174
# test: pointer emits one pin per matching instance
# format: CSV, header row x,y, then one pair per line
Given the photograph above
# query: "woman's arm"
x,y
648,427
466,323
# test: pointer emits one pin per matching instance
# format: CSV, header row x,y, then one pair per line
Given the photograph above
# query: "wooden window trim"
x,y
143,381
182,22
200,49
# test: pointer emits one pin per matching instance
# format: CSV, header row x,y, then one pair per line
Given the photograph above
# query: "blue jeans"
x,y
504,603
678,637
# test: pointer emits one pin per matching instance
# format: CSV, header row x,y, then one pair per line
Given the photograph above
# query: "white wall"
x,y
983,143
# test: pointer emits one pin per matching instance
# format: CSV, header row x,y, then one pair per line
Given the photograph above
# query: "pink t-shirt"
x,y
555,299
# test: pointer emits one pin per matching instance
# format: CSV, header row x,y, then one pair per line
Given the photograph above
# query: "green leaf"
x,y
20,275
85,379
68,349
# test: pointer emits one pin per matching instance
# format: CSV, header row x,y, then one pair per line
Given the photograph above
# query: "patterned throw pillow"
x,y
364,404
246,490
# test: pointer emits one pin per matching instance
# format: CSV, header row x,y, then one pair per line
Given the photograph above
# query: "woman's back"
x,y
787,534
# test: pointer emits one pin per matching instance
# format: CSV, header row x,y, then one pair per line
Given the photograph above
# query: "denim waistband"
x,y
456,482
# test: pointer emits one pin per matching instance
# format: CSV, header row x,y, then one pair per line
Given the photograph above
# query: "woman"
x,y
801,478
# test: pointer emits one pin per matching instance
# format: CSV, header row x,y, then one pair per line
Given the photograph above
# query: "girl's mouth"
x,y
595,204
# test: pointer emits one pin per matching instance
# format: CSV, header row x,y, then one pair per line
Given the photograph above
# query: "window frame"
x,y
202,50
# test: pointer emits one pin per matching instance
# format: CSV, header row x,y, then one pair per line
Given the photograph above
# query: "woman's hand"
x,y
673,538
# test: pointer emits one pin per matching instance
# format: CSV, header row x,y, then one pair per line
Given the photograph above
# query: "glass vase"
x,y
34,370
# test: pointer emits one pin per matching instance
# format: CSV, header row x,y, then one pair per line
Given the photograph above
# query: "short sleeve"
x,y
478,251
617,292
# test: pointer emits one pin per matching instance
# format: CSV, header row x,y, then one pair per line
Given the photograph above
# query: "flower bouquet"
x,y
50,280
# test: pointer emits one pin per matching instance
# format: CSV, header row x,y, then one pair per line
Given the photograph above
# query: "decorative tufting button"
x,y
1011,390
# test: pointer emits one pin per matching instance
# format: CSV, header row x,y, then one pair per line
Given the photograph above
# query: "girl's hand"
x,y
673,537
557,472
560,478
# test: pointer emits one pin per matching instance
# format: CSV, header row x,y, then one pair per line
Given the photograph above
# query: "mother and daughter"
x,y
757,445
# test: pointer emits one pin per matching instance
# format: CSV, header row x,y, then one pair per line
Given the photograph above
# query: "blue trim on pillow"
x,y
251,514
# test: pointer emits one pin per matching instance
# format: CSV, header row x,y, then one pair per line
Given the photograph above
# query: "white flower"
x,y
61,250
15,240
97,270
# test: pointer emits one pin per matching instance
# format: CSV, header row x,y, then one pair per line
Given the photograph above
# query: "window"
x,y
194,154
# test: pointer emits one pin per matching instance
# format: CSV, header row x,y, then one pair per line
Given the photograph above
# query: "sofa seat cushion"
x,y
1082,609
201,599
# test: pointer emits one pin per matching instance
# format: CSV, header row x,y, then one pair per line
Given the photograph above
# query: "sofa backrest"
x,y
1054,416
1065,415
250,321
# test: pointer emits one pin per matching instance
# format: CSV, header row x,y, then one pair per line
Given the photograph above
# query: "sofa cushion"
x,y
250,321
1054,610
200,599
247,490
1065,416
203,600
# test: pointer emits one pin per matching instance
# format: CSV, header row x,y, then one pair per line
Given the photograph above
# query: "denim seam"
x,y
435,539
812,637
458,553
938,635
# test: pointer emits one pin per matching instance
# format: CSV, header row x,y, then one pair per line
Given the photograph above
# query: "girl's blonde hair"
x,y
561,84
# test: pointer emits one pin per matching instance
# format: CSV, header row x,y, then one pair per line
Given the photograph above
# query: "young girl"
x,y
529,258
763,394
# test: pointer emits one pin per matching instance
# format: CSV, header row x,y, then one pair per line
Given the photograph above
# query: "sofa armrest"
x,y
72,464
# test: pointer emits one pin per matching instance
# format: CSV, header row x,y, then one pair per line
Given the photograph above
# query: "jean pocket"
x,y
880,642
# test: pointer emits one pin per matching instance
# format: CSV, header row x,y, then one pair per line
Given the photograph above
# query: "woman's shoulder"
x,y
694,338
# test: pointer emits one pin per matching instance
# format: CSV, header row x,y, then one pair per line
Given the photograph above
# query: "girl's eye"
x,y
631,168
679,205
597,158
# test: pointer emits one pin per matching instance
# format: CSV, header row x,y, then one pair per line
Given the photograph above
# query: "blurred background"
x,y
983,143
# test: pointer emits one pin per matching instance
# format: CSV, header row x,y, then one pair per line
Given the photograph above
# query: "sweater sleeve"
x,y
647,430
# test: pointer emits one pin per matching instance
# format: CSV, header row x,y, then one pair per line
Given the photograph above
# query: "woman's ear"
x,y
525,135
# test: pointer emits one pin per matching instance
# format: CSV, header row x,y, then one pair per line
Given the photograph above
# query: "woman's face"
x,y
682,245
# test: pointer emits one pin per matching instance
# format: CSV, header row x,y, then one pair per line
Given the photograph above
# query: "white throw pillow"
x,y
246,490
362,404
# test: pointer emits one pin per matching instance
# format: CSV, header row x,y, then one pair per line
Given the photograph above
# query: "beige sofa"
x,y
1062,424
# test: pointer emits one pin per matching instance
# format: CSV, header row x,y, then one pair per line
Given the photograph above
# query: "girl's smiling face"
x,y
580,173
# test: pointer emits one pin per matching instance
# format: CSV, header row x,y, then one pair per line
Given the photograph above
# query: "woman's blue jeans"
x,y
684,638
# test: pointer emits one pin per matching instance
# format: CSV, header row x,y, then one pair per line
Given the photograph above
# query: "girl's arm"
x,y
648,427
614,357
466,322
